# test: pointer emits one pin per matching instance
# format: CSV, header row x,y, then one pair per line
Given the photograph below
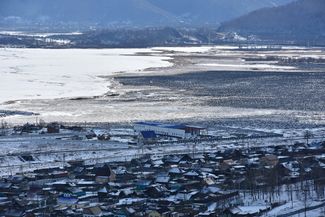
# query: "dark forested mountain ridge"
x,y
299,20
117,13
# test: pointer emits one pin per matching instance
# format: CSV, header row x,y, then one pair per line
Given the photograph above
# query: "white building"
x,y
171,130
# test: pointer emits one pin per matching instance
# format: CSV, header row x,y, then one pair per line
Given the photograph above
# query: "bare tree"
x,y
3,127
308,135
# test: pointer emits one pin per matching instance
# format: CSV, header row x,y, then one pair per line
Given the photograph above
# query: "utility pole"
x,y
194,148
21,168
9,167
63,160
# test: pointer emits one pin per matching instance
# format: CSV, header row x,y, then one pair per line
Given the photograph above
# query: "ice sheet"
x,y
54,73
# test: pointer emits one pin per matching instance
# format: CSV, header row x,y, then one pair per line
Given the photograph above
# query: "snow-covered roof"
x,y
191,173
293,166
162,179
249,210
175,170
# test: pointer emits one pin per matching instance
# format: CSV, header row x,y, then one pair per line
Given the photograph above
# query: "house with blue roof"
x,y
148,137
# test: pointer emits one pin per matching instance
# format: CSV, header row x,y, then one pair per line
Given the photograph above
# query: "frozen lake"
x,y
215,83
61,73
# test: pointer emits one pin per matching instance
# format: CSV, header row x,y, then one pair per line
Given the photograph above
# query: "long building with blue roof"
x,y
170,130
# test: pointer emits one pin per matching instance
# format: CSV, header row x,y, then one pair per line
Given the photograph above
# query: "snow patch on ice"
x,y
247,66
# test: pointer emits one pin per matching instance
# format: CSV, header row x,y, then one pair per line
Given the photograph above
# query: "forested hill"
x,y
299,20
126,13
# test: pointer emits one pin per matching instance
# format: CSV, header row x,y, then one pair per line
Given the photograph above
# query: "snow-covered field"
x,y
202,49
52,73
42,35
248,66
